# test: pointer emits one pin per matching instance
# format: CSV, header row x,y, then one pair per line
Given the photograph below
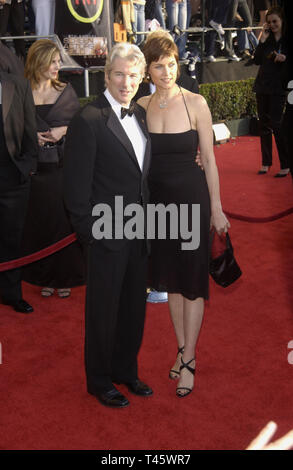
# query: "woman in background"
x,y
47,222
271,89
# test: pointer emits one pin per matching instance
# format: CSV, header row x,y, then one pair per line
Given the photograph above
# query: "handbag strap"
x,y
228,241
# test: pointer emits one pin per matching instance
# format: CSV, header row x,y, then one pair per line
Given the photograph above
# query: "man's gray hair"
x,y
125,50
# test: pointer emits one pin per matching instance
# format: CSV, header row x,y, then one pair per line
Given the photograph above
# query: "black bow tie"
x,y
128,111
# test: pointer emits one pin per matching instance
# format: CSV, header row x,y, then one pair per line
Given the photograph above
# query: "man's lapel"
x,y
115,127
141,119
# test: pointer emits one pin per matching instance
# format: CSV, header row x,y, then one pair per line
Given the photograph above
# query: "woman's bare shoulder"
x,y
143,101
194,98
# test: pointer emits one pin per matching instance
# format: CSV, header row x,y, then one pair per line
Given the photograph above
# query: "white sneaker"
x,y
221,41
217,26
156,297
210,58
234,57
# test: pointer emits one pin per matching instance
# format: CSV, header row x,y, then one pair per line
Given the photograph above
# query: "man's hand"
x,y
198,160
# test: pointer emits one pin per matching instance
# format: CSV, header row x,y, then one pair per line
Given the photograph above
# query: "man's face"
x,y
123,80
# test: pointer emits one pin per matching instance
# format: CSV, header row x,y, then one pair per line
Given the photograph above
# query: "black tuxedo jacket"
x,y
99,164
19,122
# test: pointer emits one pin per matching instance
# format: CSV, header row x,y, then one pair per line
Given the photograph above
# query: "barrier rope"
x,y
49,250
17,263
271,218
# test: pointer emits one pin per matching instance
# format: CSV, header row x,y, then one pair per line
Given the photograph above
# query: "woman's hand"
x,y
56,133
43,137
265,32
219,221
280,57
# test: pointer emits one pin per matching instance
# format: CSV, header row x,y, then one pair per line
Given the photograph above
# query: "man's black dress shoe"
x,y
112,398
139,388
19,305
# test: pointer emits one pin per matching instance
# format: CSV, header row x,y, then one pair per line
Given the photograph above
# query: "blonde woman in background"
x,y
47,222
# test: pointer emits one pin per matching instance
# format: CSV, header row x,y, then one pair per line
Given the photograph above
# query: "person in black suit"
x,y
18,151
107,154
9,62
12,13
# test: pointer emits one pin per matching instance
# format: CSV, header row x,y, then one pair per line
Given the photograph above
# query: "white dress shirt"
x,y
131,127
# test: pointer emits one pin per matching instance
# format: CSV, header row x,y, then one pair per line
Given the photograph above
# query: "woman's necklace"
x,y
164,103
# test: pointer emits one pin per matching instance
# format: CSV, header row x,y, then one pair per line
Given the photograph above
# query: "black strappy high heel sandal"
x,y
185,365
174,371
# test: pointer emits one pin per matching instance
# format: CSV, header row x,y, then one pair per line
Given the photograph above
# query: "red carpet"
x,y
243,190
243,378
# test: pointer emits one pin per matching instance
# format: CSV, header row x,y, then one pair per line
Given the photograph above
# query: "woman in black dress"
x,y
177,120
271,89
47,221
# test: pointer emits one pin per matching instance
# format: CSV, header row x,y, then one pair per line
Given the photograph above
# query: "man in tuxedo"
x,y
18,151
107,154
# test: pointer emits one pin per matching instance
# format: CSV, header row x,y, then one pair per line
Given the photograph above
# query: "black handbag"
x,y
224,269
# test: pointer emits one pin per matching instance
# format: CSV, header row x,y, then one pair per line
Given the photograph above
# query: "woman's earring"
x,y
148,77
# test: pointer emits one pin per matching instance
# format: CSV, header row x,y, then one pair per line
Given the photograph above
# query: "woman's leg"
x,y
265,131
186,316
277,107
175,302
193,311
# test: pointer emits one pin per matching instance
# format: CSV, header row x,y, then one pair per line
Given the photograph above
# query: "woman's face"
x,y
52,72
164,72
275,23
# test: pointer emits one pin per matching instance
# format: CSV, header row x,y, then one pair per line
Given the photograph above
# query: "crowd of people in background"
x,y
218,15
19,17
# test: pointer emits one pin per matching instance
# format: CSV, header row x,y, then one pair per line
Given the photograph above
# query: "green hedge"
x,y
226,100
87,99
230,100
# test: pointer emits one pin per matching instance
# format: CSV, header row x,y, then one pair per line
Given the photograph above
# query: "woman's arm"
x,y
205,133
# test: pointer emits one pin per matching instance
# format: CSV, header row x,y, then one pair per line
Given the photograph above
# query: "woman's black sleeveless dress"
x,y
175,178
